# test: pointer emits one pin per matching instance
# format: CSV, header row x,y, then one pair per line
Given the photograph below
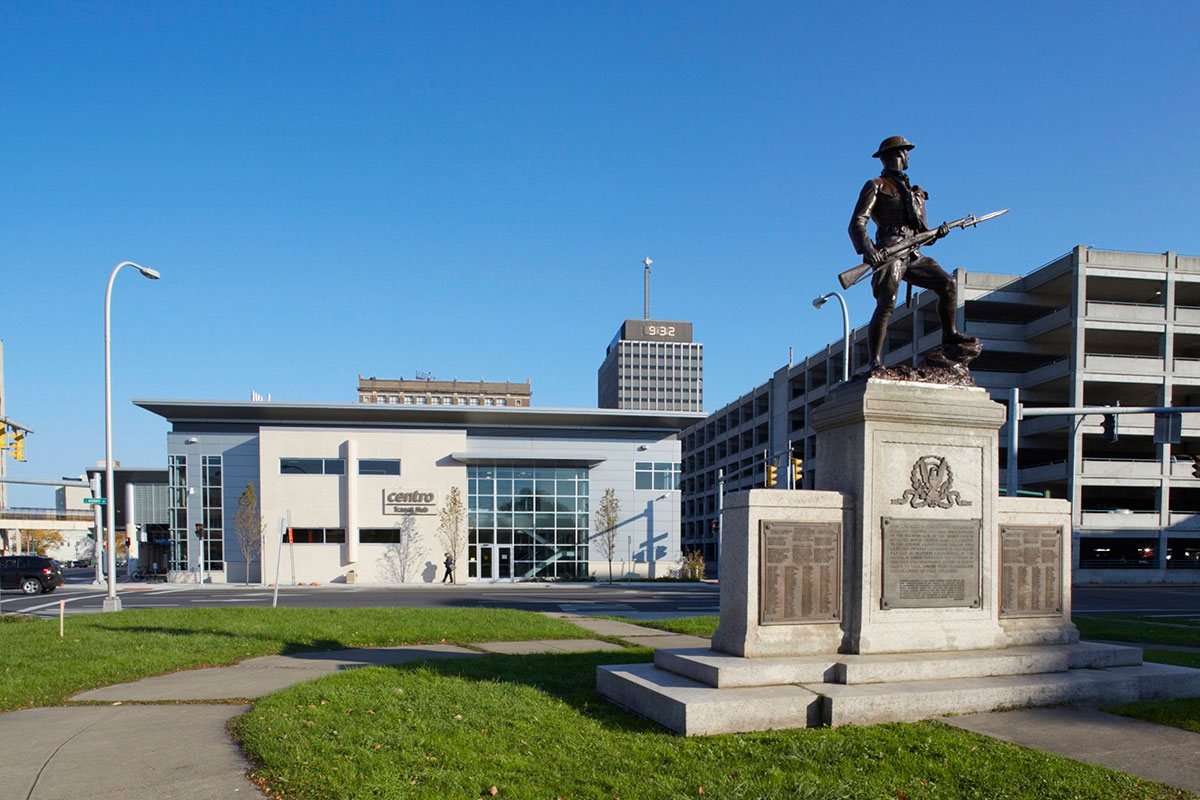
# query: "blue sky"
x,y
468,188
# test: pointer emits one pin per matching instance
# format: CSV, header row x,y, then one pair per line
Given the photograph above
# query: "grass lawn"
x,y
693,626
39,668
534,727
1134,629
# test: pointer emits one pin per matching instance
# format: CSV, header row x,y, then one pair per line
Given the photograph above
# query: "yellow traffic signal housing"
x,y
18,445
797,471
772,476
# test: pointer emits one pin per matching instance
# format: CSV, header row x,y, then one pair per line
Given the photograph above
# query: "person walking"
x,y
449,576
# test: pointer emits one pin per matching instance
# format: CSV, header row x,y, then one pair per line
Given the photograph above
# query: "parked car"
x,y
30,574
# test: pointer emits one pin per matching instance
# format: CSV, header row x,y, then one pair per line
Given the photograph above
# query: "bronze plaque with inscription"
x,y
931,563
1030,571
800,575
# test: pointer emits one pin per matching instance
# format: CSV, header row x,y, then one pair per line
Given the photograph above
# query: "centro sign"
x,y
409,501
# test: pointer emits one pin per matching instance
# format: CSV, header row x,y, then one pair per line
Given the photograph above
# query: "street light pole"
x,y
112,602
820,301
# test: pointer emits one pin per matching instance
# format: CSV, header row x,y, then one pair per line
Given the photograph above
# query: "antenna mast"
x,y
646,290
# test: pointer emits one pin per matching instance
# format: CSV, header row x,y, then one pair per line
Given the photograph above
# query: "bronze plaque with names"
x,y
800,575
931,563
1031,570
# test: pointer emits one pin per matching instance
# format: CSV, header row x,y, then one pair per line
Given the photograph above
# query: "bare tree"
x,y
249,527
452,527
608,516
399,561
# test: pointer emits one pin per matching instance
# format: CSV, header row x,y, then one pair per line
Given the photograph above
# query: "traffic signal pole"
x,y
1017,412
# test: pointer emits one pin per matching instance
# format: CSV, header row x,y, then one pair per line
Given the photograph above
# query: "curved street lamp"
x,y
820,301
112,602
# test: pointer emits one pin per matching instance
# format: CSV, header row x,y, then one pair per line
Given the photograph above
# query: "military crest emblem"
x,y
932,485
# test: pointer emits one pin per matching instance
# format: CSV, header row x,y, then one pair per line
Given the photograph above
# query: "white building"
x,y
360,486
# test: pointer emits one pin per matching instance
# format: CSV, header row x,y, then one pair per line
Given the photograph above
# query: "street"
x,y
636,600
640,601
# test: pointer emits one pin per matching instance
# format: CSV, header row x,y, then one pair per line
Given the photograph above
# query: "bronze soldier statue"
x,y
898,210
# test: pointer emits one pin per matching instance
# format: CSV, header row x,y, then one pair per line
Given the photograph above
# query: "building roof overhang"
x,y
401,416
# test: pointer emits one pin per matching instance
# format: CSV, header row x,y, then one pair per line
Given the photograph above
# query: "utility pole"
x,y
646,289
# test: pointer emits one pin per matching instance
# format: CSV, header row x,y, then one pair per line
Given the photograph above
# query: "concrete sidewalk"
x,y
183,750
69,752
1154,752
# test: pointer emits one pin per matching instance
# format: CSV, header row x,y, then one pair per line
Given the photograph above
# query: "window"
x,y
379,535
316,535
502,402
177,512
213,530
408,401
379,466
420,401
474,401
312,466
659,475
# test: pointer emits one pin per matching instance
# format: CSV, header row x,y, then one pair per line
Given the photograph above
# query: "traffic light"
x,y
1109,427
772,476
3,438
797,472
18,445
1196,466
199,531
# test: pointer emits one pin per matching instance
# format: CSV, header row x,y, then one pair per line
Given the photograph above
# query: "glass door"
x,y
504,562
485,562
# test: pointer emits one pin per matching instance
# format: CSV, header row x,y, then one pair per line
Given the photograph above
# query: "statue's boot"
x,y
954,337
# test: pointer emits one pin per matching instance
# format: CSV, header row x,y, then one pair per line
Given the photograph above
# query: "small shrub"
x,y
692,568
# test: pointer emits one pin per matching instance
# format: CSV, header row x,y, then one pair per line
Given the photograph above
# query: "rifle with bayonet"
x,y
906,246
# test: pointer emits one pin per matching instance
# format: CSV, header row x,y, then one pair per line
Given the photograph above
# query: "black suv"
x,y
30,574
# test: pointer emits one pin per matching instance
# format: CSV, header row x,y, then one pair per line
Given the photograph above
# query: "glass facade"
x,y
177,512
527,522
214,528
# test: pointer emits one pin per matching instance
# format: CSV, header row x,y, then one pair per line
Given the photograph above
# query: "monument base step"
x,y
1098,675
722,670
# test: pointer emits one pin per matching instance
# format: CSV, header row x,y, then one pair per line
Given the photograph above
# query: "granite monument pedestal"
x,y
903,587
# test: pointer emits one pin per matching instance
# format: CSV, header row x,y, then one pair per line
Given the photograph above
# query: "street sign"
x,y
95,501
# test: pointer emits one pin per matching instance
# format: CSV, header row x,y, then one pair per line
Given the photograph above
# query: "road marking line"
x,y
67,599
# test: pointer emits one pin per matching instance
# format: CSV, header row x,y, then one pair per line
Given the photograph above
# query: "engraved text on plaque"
x,y
1030,571
931,563
800,572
